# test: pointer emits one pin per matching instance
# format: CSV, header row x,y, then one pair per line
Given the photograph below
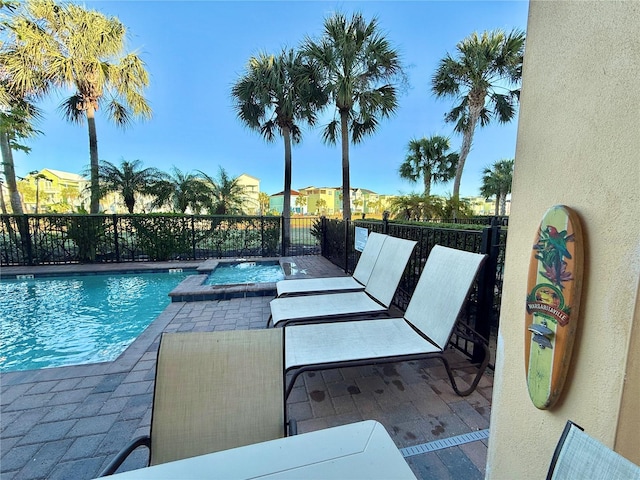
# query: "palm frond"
x,y
119,113
330,132
504,107
72,109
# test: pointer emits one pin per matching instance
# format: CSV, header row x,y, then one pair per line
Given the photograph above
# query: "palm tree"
x,y
84,50
22,83
416,207
359,66
275,95
321,206
263,202
301,202
428,158
182,191
496,180
16,124
226,193
128,180
456,207
486,65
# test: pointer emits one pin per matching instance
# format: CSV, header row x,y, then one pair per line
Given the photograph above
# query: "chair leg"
x,y
119,459
476,380
293,427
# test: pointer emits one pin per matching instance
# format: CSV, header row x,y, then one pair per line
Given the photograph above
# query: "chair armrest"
x,y
110,469
467,333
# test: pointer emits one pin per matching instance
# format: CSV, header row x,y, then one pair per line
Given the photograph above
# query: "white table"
x,y
362,450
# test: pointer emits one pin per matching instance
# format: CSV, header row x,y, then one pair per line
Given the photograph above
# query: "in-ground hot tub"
x,y
233,278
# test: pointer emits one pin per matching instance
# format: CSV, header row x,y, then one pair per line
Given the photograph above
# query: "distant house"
x,y
482,206
328,200
251,187
53,190
323,200
276,203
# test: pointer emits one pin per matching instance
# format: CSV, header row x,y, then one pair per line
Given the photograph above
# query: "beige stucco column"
x,y
578,145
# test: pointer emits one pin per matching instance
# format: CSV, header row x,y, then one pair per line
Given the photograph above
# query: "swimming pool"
x,y
245,272
70,320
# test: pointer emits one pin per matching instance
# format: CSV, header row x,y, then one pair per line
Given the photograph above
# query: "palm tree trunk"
x,y
476,103
10,174
286,208
3,205
503,204
426,178
346,183
93,156
37,194
14,199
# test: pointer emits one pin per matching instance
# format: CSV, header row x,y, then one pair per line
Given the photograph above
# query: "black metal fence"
x,y
58,239
502,220
482,310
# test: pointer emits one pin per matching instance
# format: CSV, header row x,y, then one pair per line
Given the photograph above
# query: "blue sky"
x,y
196,50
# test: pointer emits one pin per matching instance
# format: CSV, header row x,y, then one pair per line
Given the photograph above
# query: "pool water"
x,y
70,320
245,272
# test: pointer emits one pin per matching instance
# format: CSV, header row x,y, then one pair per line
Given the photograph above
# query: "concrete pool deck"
x,y
68,422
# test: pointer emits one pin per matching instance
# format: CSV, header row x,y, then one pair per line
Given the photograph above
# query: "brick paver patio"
x,y
68,422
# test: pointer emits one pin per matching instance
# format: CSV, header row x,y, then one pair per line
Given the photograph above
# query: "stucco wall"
x,y
578,145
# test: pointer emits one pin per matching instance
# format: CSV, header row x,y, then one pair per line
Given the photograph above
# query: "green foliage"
x,y
428,159
87,232
128,179
316,230
451,226
456,208
271,237
162,237
415,207
182,191
238,236
496,180
225,195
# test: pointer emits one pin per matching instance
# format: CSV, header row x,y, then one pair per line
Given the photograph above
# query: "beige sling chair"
x,y
213,391
423,332
375,299
357,282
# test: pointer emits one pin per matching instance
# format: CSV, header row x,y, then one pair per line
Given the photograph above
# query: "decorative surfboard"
x,y
553,300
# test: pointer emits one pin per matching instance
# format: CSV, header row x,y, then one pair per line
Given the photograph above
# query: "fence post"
x,y
487,283
323,236
114,217
283,247
193,236
346,246
385,222
25,238
261,235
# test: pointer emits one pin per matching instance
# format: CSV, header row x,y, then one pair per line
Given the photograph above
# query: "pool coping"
x,y
39,271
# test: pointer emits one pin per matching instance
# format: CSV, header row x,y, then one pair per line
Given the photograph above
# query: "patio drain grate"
x,y
445,443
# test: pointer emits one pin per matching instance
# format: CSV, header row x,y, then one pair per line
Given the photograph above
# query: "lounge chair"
x,y
357,282
577,455
423,332
374,300
213,391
